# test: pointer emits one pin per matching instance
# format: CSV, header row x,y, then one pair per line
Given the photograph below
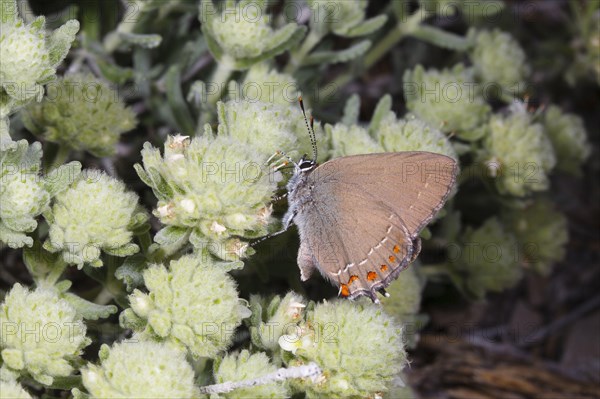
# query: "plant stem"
x,y
62,154
56,272
219,78
402,29
312,39
104,297
145,241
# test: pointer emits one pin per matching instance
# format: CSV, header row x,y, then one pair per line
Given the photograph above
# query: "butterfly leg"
x,y
287,222
416,249
306,262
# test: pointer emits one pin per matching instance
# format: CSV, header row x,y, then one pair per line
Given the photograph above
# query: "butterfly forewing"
x,y
365,213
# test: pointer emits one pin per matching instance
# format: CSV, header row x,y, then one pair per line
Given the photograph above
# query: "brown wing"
x,y
361,229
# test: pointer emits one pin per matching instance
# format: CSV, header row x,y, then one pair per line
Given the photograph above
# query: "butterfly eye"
x,y
306,165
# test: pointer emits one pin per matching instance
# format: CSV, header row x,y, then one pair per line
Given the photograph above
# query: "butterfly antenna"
x,y
311,129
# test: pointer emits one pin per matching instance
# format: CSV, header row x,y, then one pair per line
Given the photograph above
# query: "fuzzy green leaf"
x,y
141,40
39,23
351,110
284,39
31,157
229,266
160,187
26,224
138,223
176,102
143,175
60,178
78,394
114,73
441,38
367,27
171,235
122,251
332,57
12,238
40,262
130,272
89,310
8,11
128,319
212,44
6,142
60,41
383,108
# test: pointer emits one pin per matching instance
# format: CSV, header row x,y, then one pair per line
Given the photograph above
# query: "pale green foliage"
x,y
271,320
244,366
105,223
404,303
24,60
358,347
350,140
542,233
193,305
6,143
569,139
387,133
450,99
412,134
12,390
519,153
498,59
269,86
489,259
263,127
133,369
240,33
405,296
42,334
24,194
401,392
267,128
81,113
240,36
344,18
209,189
29,57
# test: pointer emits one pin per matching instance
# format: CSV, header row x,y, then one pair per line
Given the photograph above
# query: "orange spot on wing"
x,y
396,249
383,268
371,276
352,279
344,290
392,259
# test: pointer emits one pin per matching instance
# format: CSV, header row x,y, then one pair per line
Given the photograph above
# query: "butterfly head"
x,y
306,165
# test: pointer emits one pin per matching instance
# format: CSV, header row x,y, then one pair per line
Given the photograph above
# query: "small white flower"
x,y
217,228
179,141
294,309
289,343
188,205
238,248
165,211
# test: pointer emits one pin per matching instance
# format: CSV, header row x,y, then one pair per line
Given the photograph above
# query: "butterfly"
x,y
359,217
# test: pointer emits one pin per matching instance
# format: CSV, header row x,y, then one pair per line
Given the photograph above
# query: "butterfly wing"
x,y
361,227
